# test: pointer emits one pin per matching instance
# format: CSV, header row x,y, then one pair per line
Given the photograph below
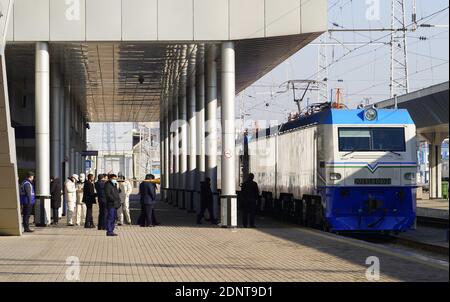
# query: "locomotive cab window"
x,y
372,139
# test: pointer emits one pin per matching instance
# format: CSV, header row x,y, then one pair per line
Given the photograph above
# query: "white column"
x,y
42,111
55,133
228,196
211,120
61,129
67,132
200,111
192,121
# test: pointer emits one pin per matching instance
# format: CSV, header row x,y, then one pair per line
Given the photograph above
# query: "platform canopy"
x,y
428,107
104,46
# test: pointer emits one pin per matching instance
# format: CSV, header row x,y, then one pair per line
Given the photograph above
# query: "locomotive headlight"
x,y
410,176
335,176
371,114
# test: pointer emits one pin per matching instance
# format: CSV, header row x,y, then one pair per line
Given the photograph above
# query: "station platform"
x,y
433,208
180,250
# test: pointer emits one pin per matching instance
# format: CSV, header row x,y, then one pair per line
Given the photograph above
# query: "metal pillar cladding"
x,y
228,171
176,148
211,120
192,122
62,110
166,127
166,157
200,113
42,111
55,111
183,133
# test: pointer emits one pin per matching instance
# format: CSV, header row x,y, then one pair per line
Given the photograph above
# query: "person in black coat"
x,y
250,196
103,212
112,203
55,192
89,196
206,200
147,191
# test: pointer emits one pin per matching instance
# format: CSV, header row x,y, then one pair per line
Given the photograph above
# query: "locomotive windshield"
x,y
372,139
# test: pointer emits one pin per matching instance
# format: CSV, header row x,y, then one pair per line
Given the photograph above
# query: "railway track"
x,y
433,222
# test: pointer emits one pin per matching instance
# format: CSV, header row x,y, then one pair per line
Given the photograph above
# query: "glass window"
x,y
372,139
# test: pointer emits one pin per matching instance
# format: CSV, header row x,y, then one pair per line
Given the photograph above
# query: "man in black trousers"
x,y
100,189
206,200
89,200
250,196
147,191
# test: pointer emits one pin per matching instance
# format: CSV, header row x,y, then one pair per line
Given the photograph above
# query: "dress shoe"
x,y
112,235
28,231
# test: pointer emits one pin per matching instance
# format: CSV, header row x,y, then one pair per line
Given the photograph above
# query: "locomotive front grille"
x,y
373,181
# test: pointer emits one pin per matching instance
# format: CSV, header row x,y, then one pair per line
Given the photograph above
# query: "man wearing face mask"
x,y
81,207
112,202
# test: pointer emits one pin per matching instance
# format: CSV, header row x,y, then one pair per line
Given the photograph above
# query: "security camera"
x,y
88,126
141,79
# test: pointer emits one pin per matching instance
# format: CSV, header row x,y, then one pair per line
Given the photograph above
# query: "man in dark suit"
x,y
89,200
250,196
206,200
147,191
103,213
112,203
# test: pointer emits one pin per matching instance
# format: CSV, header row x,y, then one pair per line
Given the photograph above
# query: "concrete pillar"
x,y
228,197
10,222
200,112
55,139
192,121
183,132
42,111
435,164
211,120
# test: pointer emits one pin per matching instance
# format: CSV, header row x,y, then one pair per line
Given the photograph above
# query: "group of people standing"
x,y
113,197
81,193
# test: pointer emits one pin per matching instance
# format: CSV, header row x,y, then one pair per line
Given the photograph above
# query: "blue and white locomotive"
x,y
351,170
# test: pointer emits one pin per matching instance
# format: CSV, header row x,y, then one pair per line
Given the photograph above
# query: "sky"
x,y
362,72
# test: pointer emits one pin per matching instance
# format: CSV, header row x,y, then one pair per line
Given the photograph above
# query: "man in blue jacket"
x,y
147,191
27,200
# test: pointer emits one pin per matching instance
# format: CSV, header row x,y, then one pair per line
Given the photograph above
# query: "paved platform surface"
x,y
180,250
434,208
